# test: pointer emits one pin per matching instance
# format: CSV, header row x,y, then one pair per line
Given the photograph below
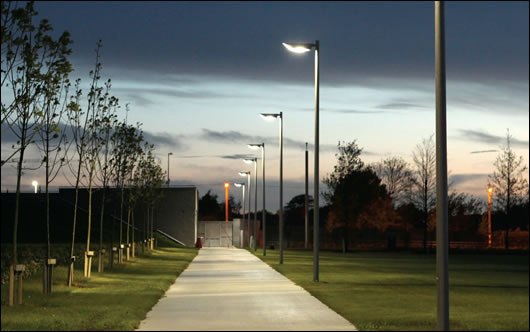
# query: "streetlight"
x,y
35,184
242,186
255,161
247,174
169,154
254,147
272,116
490,191
303,48
227,185
442,233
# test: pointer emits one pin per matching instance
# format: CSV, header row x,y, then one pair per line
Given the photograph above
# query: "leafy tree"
x,y
125,143
98,106
53,139
32,61
423,193
352,187
294,214
463,204
209,207
509,184
104,174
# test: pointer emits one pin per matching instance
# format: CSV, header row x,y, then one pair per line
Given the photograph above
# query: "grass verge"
x,y
117,299
397,291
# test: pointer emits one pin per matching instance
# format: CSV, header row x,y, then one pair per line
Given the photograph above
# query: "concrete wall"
x,y
177,212
219,233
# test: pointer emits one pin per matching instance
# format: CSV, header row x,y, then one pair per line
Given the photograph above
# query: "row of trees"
x,y
378,195
76,134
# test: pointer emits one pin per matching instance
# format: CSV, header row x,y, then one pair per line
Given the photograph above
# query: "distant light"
x,y
297,48
490,189
227,184
239,185
249,160
35,184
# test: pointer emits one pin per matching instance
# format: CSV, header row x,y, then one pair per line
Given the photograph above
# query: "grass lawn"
x,y
397,291
117,299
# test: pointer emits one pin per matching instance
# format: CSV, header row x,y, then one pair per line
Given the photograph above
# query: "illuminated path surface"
x,y
230,289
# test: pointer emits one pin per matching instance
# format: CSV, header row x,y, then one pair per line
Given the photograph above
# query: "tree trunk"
x,y
17,200
101,214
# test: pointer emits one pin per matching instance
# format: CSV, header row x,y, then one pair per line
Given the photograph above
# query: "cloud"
x,y
236,156
163,139
483,137
341,111
401,106
483,151
457,179
232,136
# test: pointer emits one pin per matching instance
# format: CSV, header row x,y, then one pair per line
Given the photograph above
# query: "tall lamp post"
x,y
169,154
306,200
442,235
247,174
271,116
490,191
227,185
255,161
264,214
242,186
303,48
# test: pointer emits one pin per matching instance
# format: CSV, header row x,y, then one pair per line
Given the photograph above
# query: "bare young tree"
x,y
81,124
52,141
509,185
423,193
396,174
104,174
31,60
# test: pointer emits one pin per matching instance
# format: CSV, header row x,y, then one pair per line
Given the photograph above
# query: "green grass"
x,y
397,291
117,299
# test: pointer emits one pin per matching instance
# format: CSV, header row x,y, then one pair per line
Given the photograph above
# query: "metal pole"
x,y
264,216
248,211
489,217
316,242
281,188
255,203
306,207
226,203
441,172
169,154
243,186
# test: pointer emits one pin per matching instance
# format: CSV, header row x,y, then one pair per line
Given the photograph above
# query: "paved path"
x,y
230,289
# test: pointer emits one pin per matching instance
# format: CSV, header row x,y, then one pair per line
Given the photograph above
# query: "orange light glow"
x,y
227,184
490,189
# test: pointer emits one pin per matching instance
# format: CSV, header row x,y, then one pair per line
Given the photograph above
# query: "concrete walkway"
x,y
230,289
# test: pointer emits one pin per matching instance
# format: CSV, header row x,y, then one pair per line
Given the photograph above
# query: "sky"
x,y
197,74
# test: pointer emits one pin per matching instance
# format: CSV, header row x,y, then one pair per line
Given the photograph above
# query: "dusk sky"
x,y
196,74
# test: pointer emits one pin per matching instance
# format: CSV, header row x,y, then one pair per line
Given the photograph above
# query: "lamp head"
x,y
227,184
239,185
34,183
490,189
244,173
170,154
298,47
250,160
270,116
255,146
